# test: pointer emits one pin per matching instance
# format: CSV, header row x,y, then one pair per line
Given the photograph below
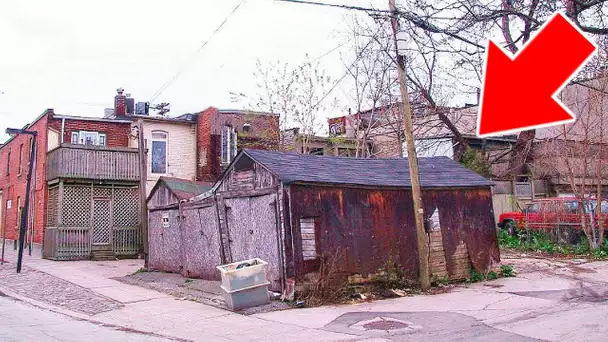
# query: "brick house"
x,y
86,165
221,133
69,152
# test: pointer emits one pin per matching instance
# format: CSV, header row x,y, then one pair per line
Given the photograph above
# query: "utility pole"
x,y
423,252
24,214
143,177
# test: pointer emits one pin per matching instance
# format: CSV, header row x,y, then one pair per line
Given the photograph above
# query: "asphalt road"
x,y
22,322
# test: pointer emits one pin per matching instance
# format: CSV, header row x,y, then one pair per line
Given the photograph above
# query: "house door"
x,y
252,230
102,221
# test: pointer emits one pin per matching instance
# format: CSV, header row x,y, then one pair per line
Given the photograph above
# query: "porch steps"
x,y
102,253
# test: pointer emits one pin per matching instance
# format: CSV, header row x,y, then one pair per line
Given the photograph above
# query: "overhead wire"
x,y
172,79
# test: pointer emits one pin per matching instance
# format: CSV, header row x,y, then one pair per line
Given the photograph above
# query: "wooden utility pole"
x,y
143,177
423,252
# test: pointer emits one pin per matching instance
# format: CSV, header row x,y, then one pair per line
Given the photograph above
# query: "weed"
x,y
440,281
141,270
506,271
475,276
492,275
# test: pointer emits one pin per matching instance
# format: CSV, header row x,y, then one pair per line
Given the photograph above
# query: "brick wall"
x,y
117,133
207,166
13,185
263,134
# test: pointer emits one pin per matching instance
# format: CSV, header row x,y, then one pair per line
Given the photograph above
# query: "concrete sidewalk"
x,y
148,311
549,300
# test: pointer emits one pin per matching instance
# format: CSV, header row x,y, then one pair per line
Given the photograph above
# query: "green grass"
x,y
542,242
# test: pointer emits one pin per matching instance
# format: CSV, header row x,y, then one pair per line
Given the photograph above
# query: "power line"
x,y
358,57
347,7
168,83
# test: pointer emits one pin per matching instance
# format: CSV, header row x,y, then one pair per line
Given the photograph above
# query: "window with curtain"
x,y
159,152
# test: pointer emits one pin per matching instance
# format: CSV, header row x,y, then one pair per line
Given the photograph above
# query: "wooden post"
x,y
423,254
143,177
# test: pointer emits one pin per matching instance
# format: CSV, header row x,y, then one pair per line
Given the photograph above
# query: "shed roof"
x,y
435,172
182,189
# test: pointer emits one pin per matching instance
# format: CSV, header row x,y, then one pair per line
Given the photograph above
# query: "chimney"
x,y
120,103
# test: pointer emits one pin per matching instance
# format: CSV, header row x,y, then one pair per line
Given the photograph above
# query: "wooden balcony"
x,y
93,163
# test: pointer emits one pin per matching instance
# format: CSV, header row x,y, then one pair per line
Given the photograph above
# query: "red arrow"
x,y
518,94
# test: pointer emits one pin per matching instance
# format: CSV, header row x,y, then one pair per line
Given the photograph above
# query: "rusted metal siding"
x,y
363,227
252,229
467,220
367,227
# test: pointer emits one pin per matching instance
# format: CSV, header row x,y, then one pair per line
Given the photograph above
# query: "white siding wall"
x,y
181,150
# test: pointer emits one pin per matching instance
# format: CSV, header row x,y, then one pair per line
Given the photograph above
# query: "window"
x,y
228,144
159,152
317,151
88,138
20,159
309,241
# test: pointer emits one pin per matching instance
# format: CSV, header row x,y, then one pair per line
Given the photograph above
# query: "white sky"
x,y
72,55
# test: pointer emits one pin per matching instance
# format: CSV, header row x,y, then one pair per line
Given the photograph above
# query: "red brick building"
x,y
53,130
222,133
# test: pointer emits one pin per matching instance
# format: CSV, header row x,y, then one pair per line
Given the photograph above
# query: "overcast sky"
x,y
72,55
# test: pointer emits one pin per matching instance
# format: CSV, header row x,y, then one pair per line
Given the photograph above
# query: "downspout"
x,y
62,129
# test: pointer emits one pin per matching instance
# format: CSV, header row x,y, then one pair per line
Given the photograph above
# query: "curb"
x,y
79,316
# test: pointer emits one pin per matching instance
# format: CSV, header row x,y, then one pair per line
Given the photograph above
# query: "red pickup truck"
x,y
548,213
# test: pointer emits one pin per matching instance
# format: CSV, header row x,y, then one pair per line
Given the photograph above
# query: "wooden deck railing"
x,y
127,241
67,243
93,162
74,243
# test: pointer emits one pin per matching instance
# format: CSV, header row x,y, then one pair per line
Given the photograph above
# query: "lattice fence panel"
x,y
102,224
52,208
76,206
126,207
102,192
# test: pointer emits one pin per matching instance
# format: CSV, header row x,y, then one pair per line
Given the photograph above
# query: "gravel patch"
x,y
197,290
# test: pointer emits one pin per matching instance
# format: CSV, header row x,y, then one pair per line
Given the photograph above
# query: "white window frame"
x,y
80,137
166,141
230,137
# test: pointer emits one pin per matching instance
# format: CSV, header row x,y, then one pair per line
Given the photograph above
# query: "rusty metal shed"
x,y
293,210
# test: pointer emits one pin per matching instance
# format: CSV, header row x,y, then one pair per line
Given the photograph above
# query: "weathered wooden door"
x,y
252,229
102,221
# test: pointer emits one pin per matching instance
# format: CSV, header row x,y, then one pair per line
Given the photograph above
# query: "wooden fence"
x,y
74,243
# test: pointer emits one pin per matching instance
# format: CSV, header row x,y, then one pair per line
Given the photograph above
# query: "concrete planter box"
x,y
234,278
247,297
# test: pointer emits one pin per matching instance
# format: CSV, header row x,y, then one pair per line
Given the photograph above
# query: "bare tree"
x,y
299,94
459,28
577,152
